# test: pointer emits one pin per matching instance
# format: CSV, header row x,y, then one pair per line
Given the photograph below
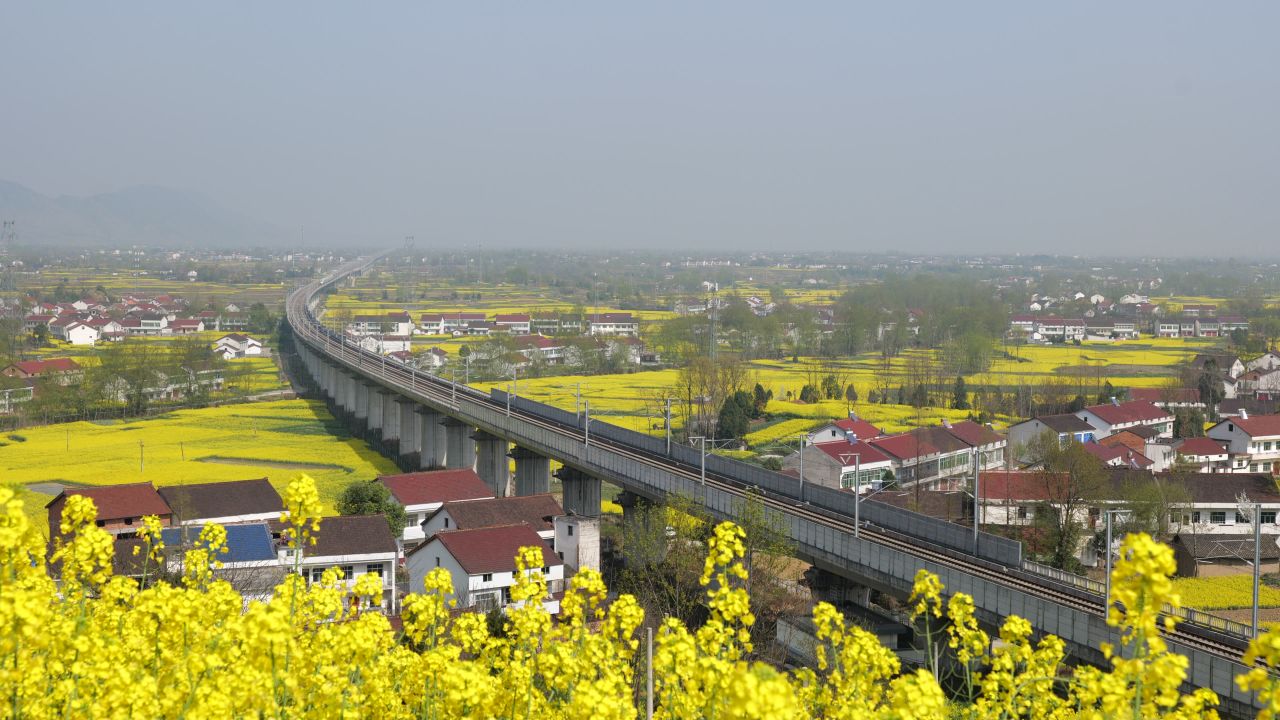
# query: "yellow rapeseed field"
x,y
262,439
1222,593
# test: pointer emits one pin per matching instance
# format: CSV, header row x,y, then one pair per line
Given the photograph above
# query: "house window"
x,y
410,520
570,530
446,521
1022,512
1195,516
1218,517
1253,467
487,577
373,569
317,574
1240,519
1268,517
348,571
545,570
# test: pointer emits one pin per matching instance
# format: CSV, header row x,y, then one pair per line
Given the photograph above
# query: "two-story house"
x,y
850,428
481,563
612,324
1111,417
422,493
536,511
120,507
513,323
843,464
356,544
1252,440
1066,428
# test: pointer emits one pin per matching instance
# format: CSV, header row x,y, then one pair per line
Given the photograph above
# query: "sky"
x,y
1143,127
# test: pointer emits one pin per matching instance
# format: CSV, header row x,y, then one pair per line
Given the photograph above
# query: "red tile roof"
x,y
493,549
1109,454
436,486
1201,446
38,367
115,502
511,318
844,451
1159,395
974,434
905,446
1259,425
1020,485
1134,411
536,511
863,429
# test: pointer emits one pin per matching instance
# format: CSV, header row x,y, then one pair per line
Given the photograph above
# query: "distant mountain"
x,y
142,215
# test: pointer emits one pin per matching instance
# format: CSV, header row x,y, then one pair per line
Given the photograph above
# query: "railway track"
x,y
448,394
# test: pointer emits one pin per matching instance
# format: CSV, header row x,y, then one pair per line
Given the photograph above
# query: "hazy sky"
x,y
1132,127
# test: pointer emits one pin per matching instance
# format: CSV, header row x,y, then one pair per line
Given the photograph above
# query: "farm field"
x,y
120,283
633,400
1224,593
494,300
232,442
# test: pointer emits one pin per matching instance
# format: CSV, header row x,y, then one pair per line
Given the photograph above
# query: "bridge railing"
x,y
1097,587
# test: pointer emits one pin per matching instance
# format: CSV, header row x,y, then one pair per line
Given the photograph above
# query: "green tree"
x,y
370,497
734,419
760,400
809,394
851,393
960,394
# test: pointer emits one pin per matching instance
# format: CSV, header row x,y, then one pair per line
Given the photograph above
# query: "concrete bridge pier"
x,y
373,433
349,385
460,449
533,472
360,410
581,492
644,529
410,436
431,444
492,464
390,425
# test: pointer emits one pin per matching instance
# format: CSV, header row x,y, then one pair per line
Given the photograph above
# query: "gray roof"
x,y
1211,546
222,499
536,511
1065,423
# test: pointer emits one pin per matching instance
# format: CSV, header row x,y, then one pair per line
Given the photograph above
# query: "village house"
x,y
1219,554
186,326
120,507
612,324
1205,455
1267,361
1067,428
482,565
223,503
1263,384
447,323
844,429
250,562
1168,397
513,323
64,370
843,464
1253,441
536,511
235,345
356,544
423,493
1114,416
385,344
392,323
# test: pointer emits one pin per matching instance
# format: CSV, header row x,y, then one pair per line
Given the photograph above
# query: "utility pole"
x,y
1257,561
802,437
857,493
668,427
586,425
141,462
